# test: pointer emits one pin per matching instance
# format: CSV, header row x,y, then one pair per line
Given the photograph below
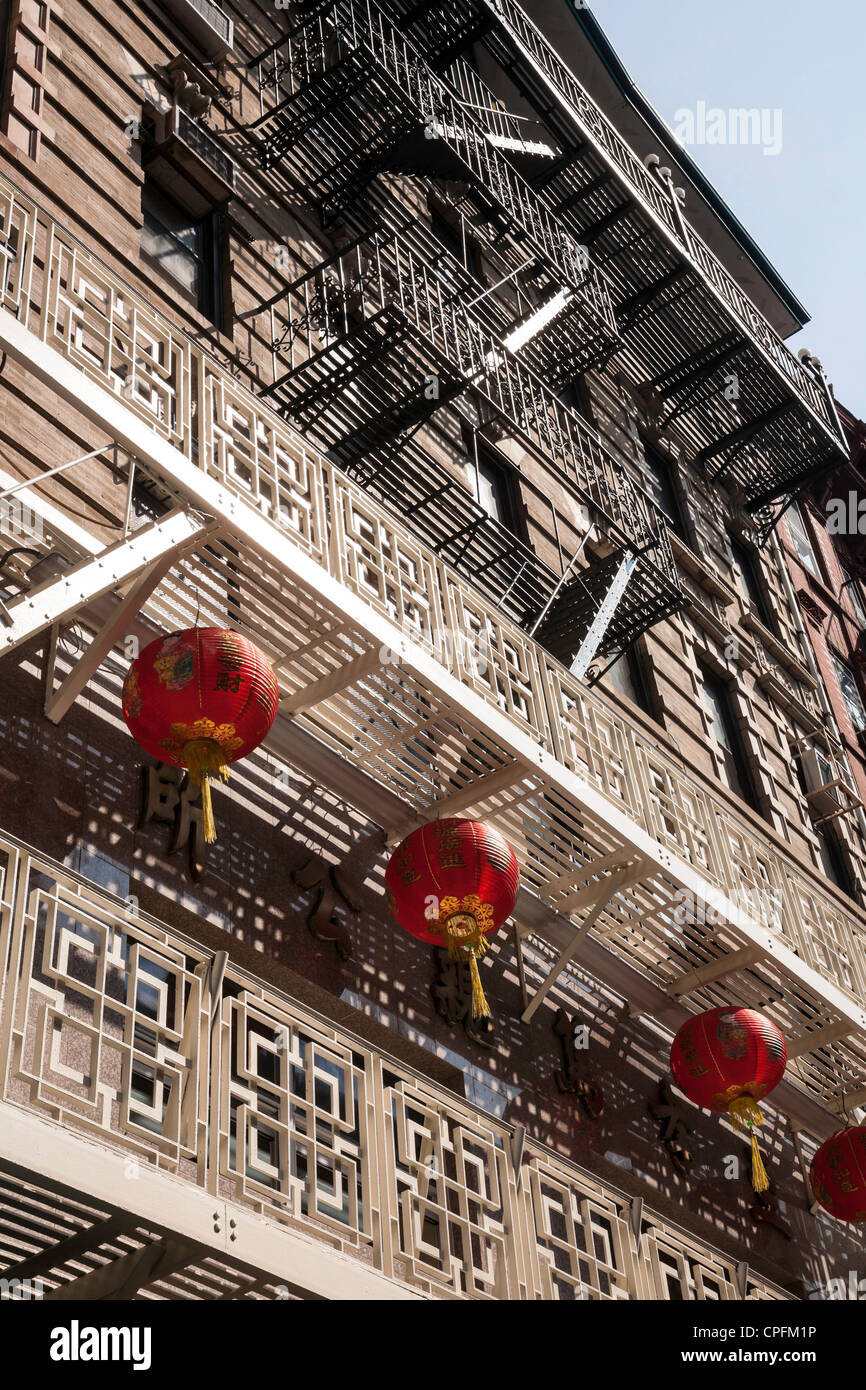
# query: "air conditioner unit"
x,y
179,138
205,22
823,790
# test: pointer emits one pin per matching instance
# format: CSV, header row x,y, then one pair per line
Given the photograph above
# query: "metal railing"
x,y
591,119
120,1029
360,27
381,273
98,324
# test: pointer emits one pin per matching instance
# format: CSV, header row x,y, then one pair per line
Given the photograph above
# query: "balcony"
x,y
358,340
355,613
276,1156
685,322
345,97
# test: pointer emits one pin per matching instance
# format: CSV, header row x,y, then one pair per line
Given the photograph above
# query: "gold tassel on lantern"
x,y
745,1114
461,921
480,1007
203,757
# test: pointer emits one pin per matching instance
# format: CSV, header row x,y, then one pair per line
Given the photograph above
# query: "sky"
x,y
805,206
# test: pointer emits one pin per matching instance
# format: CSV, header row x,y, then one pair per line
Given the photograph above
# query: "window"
x,y
736,768
750,580
855,598
802,543
627,675
184,247
460,244
663,489
850,693
491,486
832,858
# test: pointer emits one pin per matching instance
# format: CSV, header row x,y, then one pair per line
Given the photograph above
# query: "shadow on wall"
x,y
75,791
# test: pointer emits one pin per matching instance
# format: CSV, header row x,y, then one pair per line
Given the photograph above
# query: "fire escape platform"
x,y
386,111
399,344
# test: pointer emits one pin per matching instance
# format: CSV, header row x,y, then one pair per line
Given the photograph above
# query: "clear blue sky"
x,y
806,206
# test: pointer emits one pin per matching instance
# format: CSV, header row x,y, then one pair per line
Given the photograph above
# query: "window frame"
x,y
480,456
815,568
662,472
840,666
745,784
207,297
638,680
855,598
752,588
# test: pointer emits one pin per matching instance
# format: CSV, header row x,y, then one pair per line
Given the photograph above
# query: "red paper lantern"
x,y
454,883
200,699
839,1174
729,1059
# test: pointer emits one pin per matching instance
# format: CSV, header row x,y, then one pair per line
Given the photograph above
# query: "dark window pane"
x,y
749,581
850,694
491,486
173,239
627,676
831,858
661,486
852,589
727,736
185,247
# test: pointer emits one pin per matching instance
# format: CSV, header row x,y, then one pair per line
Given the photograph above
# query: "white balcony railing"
x,y
581,792
112,1028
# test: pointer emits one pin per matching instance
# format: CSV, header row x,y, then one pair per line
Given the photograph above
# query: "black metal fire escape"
x,y
370,344
702,353
375,341
345,97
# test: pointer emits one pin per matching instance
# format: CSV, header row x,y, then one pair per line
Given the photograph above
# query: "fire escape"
x,y
755,416
370,344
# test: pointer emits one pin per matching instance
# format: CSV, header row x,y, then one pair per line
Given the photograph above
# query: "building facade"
x,y
369,331
824,551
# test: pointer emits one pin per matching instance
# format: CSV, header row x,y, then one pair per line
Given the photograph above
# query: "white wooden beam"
x,y
469,796
114,566
822,1037
331,684
603,894
58,701
715,970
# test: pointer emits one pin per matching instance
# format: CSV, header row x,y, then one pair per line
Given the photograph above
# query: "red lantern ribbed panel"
x,y
723,1054
453,883
202,683
443,864
200,699
839,1174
